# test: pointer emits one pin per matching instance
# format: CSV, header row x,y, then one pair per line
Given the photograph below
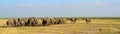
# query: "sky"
x,y
59,8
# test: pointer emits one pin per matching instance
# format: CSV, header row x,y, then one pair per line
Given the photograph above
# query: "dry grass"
x,y
108,26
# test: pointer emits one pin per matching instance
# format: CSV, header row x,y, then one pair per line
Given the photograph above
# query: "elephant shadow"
x,y
3,26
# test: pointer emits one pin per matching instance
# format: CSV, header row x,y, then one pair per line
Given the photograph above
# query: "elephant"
x,y
25,20
56,21
30,22
87,20
35,21
10,23
62,21
73,20
53,21
46,21
17,23
22,22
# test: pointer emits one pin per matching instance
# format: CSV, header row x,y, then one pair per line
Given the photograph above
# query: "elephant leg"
x,y
8,24
30,23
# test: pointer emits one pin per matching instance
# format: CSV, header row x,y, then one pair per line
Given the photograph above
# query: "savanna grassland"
x,y
96,26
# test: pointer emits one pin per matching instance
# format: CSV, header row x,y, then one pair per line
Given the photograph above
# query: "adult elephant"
x,y
87,20
10,23
30,22
25,20
56,21
17,23
73,20
53,21
62,21
22,22
35,21
46,21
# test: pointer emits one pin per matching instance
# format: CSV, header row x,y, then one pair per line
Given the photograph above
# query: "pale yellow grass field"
x,y
108,26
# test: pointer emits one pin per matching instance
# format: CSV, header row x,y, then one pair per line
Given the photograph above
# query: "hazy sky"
x,y
63,8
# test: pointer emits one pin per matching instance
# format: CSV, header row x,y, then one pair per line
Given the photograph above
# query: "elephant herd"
x,y
22,22
32,21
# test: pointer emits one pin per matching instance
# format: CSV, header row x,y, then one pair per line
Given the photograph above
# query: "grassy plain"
x,y
107,26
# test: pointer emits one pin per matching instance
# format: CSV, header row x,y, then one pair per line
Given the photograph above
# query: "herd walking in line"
x,y
32,21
